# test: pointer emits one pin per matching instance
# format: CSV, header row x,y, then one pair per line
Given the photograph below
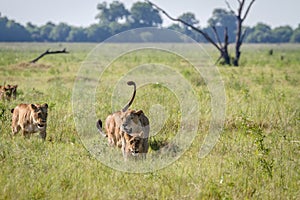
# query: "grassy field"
x,y
257,155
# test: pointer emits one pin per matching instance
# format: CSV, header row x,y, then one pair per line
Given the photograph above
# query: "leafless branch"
x,y
229,6
217,35
248,9
206,36
218,60
48,52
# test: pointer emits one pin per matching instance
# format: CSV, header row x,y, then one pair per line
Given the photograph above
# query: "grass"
x,y
256,157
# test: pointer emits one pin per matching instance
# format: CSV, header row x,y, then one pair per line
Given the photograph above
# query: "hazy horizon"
x,y
39,12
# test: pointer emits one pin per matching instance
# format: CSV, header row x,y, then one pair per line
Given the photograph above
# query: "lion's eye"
x,y
39,115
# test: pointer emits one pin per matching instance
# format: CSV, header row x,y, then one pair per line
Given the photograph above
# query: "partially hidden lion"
x,y
30,118
127,129
7,92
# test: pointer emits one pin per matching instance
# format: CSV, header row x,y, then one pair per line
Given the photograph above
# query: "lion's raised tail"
x,y
133,95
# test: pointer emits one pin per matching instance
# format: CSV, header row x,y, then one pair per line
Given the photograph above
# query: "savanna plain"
x,y
257,155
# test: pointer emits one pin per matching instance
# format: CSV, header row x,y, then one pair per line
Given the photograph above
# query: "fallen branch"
x,y
48,52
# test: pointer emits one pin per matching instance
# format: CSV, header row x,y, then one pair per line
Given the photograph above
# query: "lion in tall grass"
x,y
127,129
30,118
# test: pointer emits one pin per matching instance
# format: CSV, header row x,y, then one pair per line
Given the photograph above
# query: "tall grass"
x,y
256,157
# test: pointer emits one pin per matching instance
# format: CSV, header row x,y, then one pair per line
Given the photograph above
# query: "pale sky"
x,y
82,12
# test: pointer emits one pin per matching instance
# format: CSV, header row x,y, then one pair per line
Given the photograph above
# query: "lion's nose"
x,y
125,129
135,151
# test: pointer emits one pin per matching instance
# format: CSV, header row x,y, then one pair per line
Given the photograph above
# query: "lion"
x,y
13,91
127,129
30,118
8,92
4,92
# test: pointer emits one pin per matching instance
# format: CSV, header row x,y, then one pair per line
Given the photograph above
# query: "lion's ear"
x,y
139,112
45,105
33,107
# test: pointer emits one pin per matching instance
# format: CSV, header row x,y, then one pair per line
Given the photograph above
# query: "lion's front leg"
x,y
25,133
43,134
15,129
123,148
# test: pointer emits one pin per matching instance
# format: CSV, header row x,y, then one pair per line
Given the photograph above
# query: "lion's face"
x,y
133,143
8,91
39,114
13,90
5,91
131,122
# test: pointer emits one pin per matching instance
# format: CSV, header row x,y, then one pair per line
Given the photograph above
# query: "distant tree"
x,y
116,27
45,31
77,35
115,12
189,18
144,15
97,33
4,31
103,15
296,35
175,27
282,34
60,32
222,19
118,11
12,31
34,31
261,33
241,14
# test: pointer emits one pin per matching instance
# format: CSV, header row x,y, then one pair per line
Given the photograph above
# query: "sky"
x,y
82,12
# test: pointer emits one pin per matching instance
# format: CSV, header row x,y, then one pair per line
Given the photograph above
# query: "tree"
x,y
34,31
115,12
103,16
60,32
222,19
189,18
296,35
222,47
13,31
282,34
97,33
144,15
46,30
77,35
261,33
241,16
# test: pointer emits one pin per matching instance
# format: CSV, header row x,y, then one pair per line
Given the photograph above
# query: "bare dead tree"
x,y
47,52
240,34
221,47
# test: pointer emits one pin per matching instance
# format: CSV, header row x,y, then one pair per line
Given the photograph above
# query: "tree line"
x,y
114,18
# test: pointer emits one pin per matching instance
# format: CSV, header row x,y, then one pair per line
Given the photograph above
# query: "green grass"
x,y
256,157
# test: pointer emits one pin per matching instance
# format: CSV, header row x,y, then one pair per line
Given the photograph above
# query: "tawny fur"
x,y
30,118
127,129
